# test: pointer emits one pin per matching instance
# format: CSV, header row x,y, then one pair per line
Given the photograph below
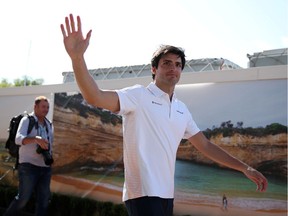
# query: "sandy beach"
x,y
105,192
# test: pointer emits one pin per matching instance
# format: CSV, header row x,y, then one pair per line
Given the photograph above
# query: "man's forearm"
x,y
216,153
220,156
85,81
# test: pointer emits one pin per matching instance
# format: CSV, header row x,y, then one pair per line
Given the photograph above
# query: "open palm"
x,y
74,42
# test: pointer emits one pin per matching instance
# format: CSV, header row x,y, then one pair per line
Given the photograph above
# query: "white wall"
x,y
256,96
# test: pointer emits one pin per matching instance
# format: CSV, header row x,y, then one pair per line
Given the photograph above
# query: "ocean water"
x,y
201,184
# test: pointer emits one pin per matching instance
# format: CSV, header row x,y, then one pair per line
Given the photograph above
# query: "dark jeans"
x,y
32,178
149,206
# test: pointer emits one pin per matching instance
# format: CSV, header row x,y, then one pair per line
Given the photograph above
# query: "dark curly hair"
x,y
163,50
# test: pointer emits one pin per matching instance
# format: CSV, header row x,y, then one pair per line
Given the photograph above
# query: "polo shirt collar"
x,y
157,91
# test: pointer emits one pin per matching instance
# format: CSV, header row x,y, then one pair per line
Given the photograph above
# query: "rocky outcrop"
x,y
81,140
268,154
85,139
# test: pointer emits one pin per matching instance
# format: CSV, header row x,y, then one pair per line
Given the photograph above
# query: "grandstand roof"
x,y
193,65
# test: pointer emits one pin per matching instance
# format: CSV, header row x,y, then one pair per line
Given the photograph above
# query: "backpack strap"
x,y
50,125
32,123
48,121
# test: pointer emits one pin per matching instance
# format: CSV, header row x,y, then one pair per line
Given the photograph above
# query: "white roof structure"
x,y
258,59
268,58
194,65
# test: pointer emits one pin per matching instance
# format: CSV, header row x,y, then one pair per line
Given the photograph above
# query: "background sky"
x,y
126,32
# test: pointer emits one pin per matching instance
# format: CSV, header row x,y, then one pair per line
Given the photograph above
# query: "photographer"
x,y
35,159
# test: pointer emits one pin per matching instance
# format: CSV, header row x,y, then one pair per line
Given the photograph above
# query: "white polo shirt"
x,y
153,127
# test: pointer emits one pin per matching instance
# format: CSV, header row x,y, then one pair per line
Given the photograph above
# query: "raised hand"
x,y
74,42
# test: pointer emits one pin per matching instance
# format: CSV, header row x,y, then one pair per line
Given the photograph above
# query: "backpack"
x,y
12,147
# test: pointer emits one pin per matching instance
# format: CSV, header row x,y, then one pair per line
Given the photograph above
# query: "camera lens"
x,y
48,159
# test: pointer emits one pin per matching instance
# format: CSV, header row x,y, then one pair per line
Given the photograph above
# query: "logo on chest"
x,y
180,112
156,103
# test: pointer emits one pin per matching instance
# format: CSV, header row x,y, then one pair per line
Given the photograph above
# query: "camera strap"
x,y
43,131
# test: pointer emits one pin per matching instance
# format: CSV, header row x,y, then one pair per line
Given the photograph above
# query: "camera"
x,y
48,159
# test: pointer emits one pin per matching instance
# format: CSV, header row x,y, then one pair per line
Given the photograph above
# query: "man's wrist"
x,y
244,168
36,138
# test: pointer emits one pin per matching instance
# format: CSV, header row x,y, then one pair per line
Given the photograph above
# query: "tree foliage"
x,y
228,129
4,83
25,81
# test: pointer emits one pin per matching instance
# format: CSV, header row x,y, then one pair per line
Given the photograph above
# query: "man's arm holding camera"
x,y
43,143
22,137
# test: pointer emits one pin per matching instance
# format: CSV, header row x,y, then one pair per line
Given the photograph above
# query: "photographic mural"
x,y
88,160
247,118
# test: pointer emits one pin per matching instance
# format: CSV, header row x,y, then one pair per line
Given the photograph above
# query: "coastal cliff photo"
x,y
88,151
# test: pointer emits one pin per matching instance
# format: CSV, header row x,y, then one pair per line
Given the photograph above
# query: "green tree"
x,y
275,128
25,81
227,129
4,83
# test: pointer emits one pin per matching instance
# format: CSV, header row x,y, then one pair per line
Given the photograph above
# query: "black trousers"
x,y
149,206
